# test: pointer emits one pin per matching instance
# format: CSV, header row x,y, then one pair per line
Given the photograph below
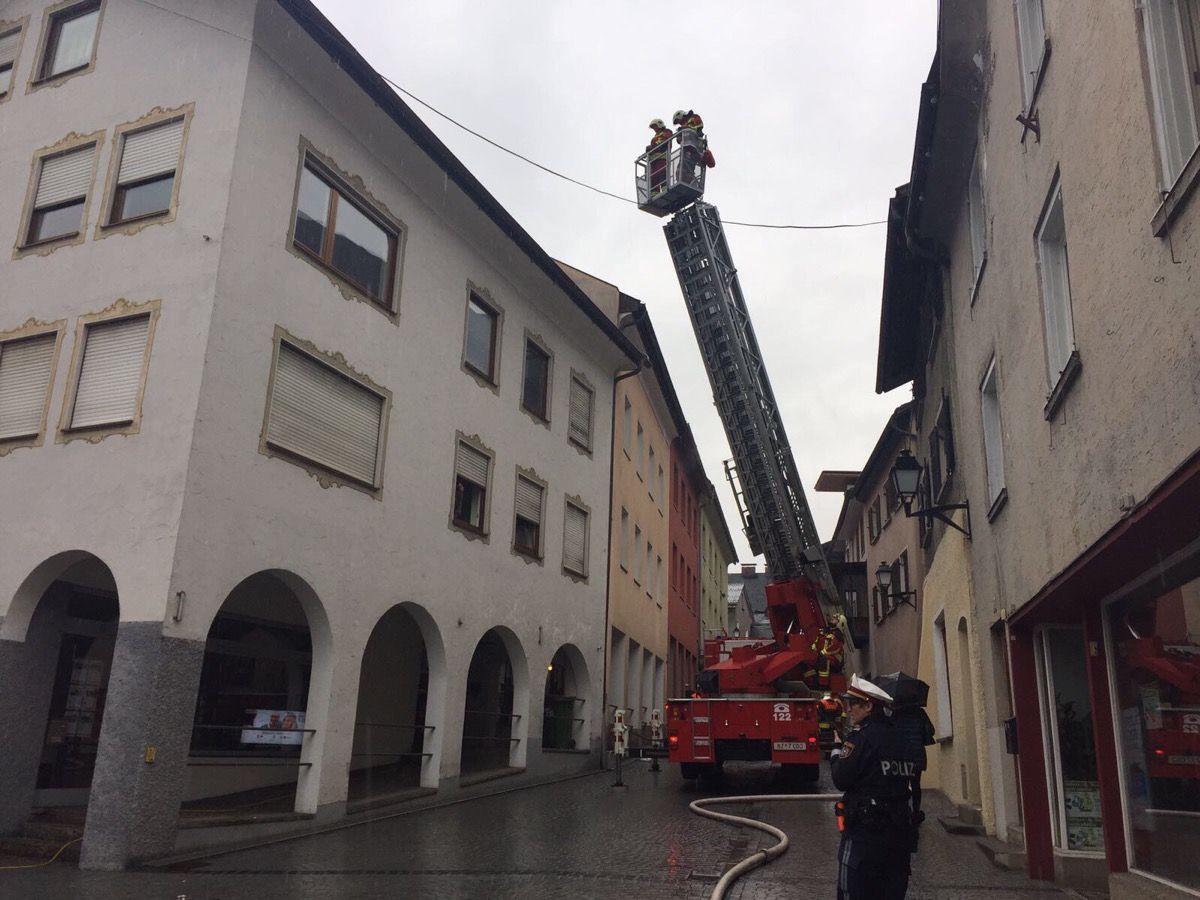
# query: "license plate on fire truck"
x,y
1184,760
787,745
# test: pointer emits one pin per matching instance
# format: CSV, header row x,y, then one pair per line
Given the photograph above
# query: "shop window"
x,y
1155,655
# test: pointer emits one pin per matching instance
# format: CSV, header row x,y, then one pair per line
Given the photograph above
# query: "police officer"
x,y
874,768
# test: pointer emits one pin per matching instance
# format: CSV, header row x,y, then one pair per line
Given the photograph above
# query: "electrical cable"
x,y
46,862
761,857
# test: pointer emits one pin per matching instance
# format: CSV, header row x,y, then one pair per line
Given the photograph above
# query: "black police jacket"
x,y
873,769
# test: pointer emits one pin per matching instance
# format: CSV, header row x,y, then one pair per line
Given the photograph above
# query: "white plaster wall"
x,y
120,498
244,512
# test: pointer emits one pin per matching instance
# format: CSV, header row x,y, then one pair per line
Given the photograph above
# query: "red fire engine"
x,y
755,700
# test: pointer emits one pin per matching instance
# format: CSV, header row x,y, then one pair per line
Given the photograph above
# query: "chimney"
x,y
749,570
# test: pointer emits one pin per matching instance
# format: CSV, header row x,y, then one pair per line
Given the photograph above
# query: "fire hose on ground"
x,y
761,857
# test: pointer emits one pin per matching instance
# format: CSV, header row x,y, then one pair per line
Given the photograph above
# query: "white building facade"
x,y
298,429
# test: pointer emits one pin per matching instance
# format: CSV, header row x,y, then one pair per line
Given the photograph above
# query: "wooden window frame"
x,y
52,21
113,187
33,331
70,144
482,298
570,501
483,532
548,393
19,27
579,378
535,554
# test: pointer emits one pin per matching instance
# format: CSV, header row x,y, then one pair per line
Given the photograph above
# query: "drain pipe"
x,y
762,857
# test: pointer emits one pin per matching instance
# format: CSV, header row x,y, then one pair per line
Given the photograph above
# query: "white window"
x,y
70,39
108,391
9,43
625,539
25,368
471,469
527,531
627,431
579,417
322,415
941,672
637,554
1172,31
977,216
1031,31
575,540
1056,285
993,446
62,188
146,175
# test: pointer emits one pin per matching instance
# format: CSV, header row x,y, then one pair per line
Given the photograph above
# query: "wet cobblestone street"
x,y
580,838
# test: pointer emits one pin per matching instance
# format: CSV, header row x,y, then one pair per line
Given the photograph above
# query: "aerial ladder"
x,y
757,699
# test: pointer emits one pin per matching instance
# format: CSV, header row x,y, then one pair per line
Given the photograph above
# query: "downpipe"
x,y
762,857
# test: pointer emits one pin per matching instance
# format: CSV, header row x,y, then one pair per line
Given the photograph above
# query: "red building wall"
x,y
683,578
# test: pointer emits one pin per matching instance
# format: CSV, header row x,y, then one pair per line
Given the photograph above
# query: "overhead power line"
x,y
584,184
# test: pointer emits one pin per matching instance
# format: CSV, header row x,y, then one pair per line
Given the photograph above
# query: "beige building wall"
x,y
716,556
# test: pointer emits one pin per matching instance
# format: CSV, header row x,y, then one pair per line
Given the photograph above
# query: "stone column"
x,y
133,812
26,680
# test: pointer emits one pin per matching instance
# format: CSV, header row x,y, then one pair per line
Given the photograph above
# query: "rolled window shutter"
x,y
320,414
24,378
8,48
111,373
471,464
529,500
153,151
65,177
579,420
575,540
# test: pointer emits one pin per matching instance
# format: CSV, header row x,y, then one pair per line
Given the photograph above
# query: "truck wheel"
x,y
689,771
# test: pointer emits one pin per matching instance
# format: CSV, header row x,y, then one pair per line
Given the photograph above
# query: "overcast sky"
x,y
809,108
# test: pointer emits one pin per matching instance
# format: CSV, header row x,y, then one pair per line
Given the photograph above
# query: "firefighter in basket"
x,y
830,651
874,768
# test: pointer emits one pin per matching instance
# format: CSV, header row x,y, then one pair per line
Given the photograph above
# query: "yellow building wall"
x,y
715,560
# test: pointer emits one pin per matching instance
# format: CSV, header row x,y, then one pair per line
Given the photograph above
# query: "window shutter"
x,y
1171,86
153,151
575,540
111,372
8,48
471,464
529,500
320,414
24,378
579,419
65,177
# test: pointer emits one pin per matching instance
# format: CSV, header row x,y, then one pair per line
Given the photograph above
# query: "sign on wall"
x,y
281,727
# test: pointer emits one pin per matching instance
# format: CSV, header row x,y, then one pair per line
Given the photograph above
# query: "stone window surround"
x,y
35,81
356,189
483,534
121,309
327,478
532,476
483,297
20,25
155,117
540,342
31,329
577,502
72,141
576,375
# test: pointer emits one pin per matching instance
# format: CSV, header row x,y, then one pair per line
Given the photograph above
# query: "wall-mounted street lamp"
x,y
883,577
906,477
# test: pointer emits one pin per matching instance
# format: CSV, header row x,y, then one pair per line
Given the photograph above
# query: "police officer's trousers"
x,y
873,867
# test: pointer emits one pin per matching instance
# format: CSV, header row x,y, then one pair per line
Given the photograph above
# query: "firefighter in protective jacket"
x,y
874,768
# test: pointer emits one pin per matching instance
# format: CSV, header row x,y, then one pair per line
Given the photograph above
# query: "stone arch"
x,y
400,717
496,706
263,697
567,701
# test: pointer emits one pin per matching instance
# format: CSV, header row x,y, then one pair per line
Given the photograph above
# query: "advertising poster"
x,y
1081,803
279,727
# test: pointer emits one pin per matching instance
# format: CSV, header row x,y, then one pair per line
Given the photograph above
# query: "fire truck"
x,y
755,700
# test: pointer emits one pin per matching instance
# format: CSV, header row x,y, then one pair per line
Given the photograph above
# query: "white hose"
x,y
762,856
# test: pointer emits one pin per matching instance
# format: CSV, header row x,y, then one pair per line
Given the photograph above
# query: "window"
x,y
1031,32
70,40
649,568
941,670
10,42
339,231
978,219
579,413
479,345
471,471
627,429
1056,286
637,554
658,577
992,442
575,539
641,451
527,532
535,389
662,484
110,373
26,365
624,539
1172,31
651,465
145,183
901,579
323,415
874,523
877,604
941,452
890,499
61,195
